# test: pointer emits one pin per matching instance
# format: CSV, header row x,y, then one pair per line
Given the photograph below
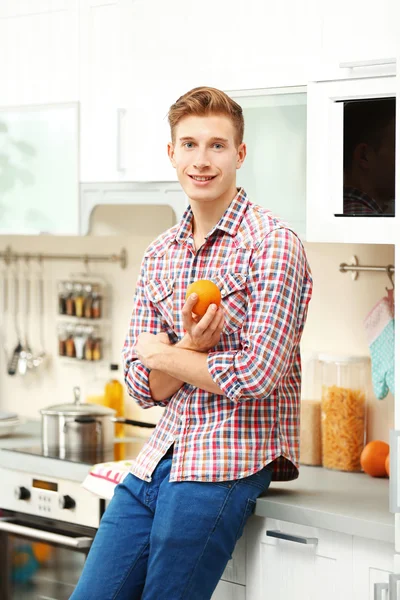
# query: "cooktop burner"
x,y
120,451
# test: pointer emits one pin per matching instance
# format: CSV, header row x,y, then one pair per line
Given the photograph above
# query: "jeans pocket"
x,y
250,508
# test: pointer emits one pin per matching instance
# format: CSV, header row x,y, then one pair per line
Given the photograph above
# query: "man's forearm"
x,y
161,384
184,365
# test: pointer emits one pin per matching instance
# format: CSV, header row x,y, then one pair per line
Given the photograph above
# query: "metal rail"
x,y
354,267
9,256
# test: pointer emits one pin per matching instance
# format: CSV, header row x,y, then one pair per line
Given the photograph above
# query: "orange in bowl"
x,y
373,458
387,465
207,293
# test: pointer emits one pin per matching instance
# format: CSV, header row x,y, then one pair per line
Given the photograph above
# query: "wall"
x,y
335,321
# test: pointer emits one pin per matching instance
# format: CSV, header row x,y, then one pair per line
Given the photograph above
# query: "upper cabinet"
x,y
274,171
356,31
39,162
100,79
39,49
351,143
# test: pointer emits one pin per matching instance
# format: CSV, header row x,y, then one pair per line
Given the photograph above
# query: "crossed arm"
x,y
186,361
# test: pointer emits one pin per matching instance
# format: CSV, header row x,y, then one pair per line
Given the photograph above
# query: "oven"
x,y
47,525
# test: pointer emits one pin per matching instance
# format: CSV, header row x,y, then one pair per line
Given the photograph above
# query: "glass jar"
x,y
343,411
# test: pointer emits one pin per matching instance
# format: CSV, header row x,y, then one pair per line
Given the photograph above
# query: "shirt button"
x,y
171,439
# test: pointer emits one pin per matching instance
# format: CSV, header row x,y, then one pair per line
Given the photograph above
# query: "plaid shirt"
x,y
359,203
265,281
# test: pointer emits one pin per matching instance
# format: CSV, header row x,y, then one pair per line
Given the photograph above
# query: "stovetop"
x,y
32,459
118,452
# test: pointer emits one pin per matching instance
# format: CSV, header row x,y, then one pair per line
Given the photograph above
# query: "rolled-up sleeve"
x,y
278,296
144,318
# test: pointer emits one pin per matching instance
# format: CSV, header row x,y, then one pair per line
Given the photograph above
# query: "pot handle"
x,y
77,394
131,422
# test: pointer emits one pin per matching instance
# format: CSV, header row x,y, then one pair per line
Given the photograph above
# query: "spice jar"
x,y
96,305
343,411
69,300
88,302
78,299
310,411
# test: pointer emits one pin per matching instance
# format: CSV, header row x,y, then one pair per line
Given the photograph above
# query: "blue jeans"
x,y
164,540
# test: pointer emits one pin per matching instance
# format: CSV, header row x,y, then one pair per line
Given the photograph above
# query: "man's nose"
x,y
201,160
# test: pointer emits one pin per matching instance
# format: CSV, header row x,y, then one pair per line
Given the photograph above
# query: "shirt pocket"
x,y
160,293
233,299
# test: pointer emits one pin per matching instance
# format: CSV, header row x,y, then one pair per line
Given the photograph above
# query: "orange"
x,y
387,465
207,292
373,458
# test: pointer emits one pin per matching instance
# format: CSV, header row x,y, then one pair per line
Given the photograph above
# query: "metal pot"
x,y
80,431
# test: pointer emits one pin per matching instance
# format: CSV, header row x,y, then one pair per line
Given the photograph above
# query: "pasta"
x,y
343,427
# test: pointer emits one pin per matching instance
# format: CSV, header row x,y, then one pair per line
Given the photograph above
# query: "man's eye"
x,y
218,146
188,145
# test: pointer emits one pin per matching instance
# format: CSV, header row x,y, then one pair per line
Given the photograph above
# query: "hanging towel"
x,y
379,325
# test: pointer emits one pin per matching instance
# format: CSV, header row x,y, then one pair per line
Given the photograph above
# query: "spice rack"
x,y
83,324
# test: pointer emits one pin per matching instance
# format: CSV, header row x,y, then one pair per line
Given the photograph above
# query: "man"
x,y
369,157
230,381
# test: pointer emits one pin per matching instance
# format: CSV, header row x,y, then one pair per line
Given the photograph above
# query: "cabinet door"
x,y
229,591
102,109
351,31
373,562
39,170
39,49
274,171
283,569
326,135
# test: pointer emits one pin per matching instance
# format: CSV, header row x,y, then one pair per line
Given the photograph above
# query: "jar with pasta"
x,y
343,411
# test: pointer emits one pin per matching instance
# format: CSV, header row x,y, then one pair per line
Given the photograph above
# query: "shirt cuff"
x,y
220,365
137,380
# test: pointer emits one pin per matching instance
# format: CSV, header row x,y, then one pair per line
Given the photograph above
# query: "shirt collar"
x,y
367,201
229,222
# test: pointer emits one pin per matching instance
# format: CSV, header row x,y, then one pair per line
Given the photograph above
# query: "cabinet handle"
x,y
393,579
378,589
121,112
367,63
311,541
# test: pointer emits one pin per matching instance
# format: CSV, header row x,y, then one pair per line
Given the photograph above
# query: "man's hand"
x,y
202,333
148,345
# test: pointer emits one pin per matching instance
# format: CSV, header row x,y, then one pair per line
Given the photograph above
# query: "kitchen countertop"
x,y
351,503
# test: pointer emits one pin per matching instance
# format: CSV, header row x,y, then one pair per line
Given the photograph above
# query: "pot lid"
x,y
78,408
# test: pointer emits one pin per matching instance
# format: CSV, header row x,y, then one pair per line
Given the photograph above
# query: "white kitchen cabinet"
x,y
39,166
282,569
274,171
229,591
372,563
39,49
100,76
358,30
325,102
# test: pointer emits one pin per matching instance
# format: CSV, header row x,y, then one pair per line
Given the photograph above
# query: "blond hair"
x,y
205,101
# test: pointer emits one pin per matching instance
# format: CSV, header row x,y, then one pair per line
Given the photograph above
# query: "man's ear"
x,y
361,155
241,155
171,152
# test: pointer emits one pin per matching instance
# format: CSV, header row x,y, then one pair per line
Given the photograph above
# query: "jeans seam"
x,y
130,571
208,539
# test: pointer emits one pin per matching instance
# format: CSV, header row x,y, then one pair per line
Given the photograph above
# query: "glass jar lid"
x,y
342,358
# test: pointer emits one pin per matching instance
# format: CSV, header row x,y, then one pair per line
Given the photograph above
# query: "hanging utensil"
x,y
14,359
39,358
4,313
26,356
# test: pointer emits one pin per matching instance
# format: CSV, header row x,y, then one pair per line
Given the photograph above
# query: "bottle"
x,y
343,411
114,395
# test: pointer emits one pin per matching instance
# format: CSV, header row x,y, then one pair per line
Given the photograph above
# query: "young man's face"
x,y
205,157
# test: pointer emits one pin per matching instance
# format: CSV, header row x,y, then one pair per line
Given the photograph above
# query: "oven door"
x,y
40,558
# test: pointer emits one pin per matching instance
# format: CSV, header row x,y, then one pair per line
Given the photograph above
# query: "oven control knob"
x,y
66,502
22,493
